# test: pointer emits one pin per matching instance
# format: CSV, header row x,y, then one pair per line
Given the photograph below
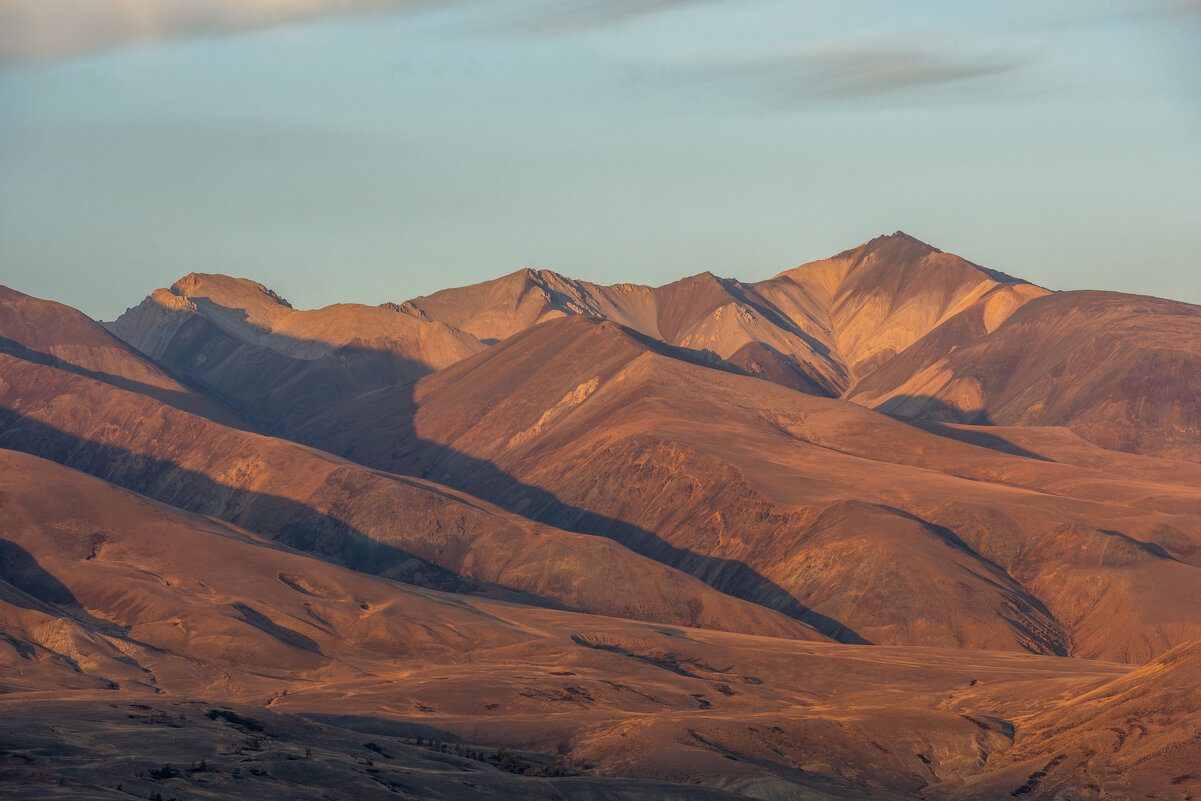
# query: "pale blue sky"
x,y
385,154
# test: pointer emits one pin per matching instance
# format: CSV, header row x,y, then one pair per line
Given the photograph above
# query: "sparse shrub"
x,y
233,717
165,772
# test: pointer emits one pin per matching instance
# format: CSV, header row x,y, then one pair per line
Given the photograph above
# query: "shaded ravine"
x,y
289,522
484,479
225,414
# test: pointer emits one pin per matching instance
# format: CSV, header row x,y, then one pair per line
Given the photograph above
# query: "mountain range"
x,y
887,525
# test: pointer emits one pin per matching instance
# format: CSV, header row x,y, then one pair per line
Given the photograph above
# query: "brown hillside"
x,y
372,521
899,534
1123,371
245,344
121,614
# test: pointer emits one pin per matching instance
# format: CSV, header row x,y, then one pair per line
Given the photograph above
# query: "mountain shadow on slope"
x,y
350,370
939,418
433,522
25,583
470,410
303,527
21,570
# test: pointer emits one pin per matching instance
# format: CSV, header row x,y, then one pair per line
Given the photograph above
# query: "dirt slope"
x,y
372,521
1123,371
48,333
896,533
248,346
136,635
816,328
893,324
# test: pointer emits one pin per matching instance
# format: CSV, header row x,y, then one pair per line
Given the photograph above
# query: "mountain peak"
x,y
899,246
216,286
900,238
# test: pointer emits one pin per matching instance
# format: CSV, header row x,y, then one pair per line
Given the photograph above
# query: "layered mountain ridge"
x,y
244,343
886,525
817,327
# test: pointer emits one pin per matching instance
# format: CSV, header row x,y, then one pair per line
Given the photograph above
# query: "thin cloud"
x,y
860,72
1171,8
34,30
38,30
580,16
1190,10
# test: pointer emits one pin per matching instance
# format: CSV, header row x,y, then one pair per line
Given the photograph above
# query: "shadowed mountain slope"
x,y
893,324
642,442
362,518
48,333
1118,369
119,588
119,614
153,606
1123,371
247,345
539,538
900,534
815,328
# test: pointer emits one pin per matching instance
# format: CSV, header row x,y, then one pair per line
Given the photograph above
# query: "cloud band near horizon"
x,y
39,30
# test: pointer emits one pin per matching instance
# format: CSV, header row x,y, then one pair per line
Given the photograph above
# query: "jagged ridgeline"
x,y
887,525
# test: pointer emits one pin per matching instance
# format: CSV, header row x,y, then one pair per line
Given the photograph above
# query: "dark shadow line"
x,y
776,317
935,415
955,541
26,584
730,576
1152,548
193,404
204,342
288,521
339,376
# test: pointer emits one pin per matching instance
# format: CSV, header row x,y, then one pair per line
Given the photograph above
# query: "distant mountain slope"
x,y
539,424
882,296
814,328
115,587
898,325
320,679
248,346
1125,737
899,534
893,324
48,333
539,526
370,521
1124,371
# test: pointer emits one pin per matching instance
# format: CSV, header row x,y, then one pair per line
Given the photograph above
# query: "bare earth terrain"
x,y
887,526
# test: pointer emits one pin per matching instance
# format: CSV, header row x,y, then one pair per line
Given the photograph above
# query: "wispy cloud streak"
x,y
577,16
828,72
874,72
33,30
